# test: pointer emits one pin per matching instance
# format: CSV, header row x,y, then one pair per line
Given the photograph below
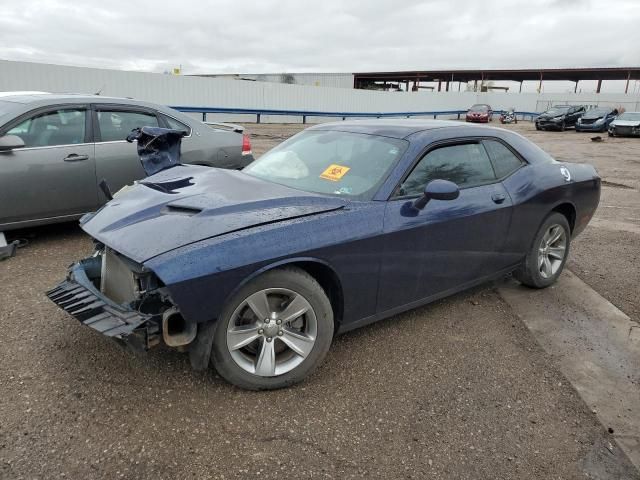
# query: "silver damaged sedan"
x,y
56,149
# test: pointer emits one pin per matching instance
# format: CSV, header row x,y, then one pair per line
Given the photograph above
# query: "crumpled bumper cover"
x,y
78,296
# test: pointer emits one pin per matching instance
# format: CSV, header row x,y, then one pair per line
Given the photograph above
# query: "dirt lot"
x,y
458,389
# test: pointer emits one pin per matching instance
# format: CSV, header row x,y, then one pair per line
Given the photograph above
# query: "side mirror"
x,y
9,142
437,190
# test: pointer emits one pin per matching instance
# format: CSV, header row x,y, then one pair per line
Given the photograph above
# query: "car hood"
x,y
547,116
186,204
626,123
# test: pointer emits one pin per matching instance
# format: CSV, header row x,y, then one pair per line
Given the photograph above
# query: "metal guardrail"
x,y
344,115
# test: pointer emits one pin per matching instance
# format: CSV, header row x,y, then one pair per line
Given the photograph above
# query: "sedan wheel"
x,y
548,253
274,332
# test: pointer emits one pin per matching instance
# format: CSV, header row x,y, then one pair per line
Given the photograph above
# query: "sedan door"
x,y
117,160
449,244
54,174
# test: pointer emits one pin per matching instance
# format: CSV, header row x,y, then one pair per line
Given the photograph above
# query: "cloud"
x,y
331,35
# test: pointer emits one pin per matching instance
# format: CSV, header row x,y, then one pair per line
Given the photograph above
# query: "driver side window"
x,y
466,165
60,127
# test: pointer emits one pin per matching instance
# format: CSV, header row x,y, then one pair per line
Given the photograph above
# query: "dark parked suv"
x,y
559,117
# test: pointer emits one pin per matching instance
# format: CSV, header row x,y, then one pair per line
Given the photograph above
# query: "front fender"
x,y
202,276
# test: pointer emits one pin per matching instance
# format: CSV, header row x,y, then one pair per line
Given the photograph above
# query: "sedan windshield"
x,y
331,162
479,108
630,116
557,111
597,113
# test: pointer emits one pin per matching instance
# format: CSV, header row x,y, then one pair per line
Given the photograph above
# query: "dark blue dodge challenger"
x,y
341,225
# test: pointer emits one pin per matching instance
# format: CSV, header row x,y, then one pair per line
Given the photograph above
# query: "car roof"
x,y
387,127
44,98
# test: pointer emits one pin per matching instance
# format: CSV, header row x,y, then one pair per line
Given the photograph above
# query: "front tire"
x,y
548,253
274,331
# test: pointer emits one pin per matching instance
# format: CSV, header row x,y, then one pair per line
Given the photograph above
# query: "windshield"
x,y
557,111
479,108
597,113
7,110
331,162
630,116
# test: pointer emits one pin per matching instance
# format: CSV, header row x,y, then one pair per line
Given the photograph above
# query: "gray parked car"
x,y
626,124
56,149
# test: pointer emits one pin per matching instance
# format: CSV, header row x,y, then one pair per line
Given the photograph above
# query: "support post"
x,y
459,83
599,86
540,84
575,90
626,88
520,86
258,118
446,88
304,119
204,116
439,85
475,85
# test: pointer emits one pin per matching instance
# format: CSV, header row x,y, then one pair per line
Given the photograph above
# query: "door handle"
x,y
498,197
75,157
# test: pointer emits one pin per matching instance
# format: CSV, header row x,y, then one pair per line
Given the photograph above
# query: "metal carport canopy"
x,y
518,75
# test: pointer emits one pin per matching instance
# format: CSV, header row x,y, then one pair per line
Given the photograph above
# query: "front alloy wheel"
x,y
274,331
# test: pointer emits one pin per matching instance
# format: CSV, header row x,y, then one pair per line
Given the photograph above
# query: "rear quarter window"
x,y
504,160
175,124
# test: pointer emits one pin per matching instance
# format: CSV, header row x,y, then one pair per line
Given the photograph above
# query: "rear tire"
x,y
256,354
548,253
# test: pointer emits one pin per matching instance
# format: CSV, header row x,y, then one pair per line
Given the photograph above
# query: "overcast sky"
x,y
321,35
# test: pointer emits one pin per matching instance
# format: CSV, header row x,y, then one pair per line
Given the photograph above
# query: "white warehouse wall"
x,y
228,93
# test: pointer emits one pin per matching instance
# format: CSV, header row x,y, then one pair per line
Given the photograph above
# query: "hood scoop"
x,y
170,186
178,210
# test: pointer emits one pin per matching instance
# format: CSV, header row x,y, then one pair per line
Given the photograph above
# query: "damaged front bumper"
x,y
79,297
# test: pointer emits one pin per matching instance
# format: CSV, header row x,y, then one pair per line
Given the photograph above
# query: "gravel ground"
x,y
458,389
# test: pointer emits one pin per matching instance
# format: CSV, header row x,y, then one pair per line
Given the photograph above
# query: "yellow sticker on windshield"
x,y
334,172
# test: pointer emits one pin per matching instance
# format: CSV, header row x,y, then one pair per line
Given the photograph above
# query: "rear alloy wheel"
x,y
274,332
546,258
